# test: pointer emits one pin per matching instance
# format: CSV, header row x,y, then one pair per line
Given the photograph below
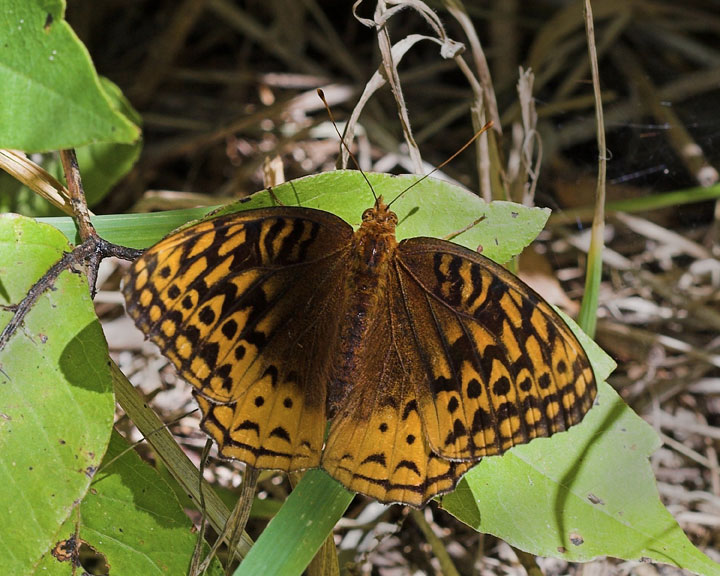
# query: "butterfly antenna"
x,y
441,166
342,141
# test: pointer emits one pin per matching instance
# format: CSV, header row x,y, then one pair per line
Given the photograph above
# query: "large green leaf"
x,y
51,95
430,208
56,401
545,497
132,519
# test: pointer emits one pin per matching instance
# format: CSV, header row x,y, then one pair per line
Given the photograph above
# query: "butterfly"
x,y
425,356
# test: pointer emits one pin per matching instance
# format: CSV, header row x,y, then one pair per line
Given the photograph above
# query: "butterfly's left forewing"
x,y
500,365
244,307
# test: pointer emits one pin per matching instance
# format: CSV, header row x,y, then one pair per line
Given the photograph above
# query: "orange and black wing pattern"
x,y
244,306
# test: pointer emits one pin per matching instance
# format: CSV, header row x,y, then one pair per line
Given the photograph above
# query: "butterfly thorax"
x,y
371,256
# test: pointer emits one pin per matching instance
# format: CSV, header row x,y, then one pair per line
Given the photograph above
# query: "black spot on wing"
x,y
173,292
377,458
229,329
443,384
544,381
501,386
482,420
209,352
458,431
280,432
192,334
206,315
474,388
409,465
409,408
248,425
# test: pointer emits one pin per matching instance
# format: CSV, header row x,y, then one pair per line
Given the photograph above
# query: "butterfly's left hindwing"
x,y
243,306
500,365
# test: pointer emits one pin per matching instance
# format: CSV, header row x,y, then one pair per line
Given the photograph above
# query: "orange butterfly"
x,y
424,355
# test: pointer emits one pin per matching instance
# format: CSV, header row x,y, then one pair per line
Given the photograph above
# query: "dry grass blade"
x,y
36,178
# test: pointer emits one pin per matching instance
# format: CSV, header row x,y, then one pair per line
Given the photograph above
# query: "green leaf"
x,y
132,519
51,95
545,487
56,401
102,165
580,494
132,230
431,208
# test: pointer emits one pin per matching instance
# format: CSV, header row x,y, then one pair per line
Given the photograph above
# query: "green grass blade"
x,y
292,538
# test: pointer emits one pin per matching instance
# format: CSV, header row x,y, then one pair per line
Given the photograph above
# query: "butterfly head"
x,y
380,216
375,240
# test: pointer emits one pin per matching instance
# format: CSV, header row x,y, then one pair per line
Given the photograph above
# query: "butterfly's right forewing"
x,y
245,307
